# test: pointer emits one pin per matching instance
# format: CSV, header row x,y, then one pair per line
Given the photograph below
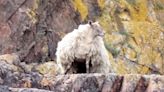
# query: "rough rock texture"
x,y
91,83
135,35
30,30
9,89
40,79
134,30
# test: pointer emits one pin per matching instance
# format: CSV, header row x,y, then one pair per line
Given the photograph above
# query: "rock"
x,y
9,89
27,90
98,83
10,58
84,82
47,68
7,68
4,89
138,24
108,82
30,30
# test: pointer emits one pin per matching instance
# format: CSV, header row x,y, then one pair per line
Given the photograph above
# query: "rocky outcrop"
x,y
9,89
21,77
91,83
134,30
30,30
134,35
28,21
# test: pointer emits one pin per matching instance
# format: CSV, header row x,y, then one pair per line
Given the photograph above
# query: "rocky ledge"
x,y
91,83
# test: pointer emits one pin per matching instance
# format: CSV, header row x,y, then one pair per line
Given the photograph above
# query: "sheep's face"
x,y
97,29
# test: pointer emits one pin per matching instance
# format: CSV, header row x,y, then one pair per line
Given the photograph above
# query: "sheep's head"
x,y
96,28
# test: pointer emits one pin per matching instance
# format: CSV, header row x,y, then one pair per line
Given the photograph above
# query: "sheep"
x,y
86,43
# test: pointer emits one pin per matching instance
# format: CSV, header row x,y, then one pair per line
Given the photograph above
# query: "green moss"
x,y
158,6
115,52
124,33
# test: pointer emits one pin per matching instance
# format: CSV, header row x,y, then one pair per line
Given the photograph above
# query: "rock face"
x,y
134,35
30,30
134,30
39,21
93,83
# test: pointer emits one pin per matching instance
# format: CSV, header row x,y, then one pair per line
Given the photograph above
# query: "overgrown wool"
x,y
87,43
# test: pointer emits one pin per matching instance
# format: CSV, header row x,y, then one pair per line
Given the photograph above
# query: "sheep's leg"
x,y
68,68
68,65
60,69
87,65
96,63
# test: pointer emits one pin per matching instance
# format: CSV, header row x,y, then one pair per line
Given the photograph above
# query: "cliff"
x,y
30,30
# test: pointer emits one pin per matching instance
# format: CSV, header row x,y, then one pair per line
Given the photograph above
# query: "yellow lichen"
x,y
101,3
47,68
104,21
32,12
80,6
144,44
121,68
139,12
130,54
143,70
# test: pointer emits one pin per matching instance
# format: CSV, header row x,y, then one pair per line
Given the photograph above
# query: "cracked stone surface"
x,y
30,30
90,83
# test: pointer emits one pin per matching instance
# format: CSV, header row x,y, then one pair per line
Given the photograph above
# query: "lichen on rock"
x,y
134,39
140,37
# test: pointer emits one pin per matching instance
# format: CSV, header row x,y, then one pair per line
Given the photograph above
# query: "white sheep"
x,y
86,42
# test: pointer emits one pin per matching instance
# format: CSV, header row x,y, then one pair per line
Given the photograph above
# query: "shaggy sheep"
x,y
83,45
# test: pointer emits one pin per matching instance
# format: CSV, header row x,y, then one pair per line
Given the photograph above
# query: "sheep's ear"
x,y
90,22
